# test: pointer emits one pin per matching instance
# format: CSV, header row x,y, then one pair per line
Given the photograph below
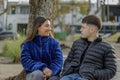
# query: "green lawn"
x,y
11,49
113,38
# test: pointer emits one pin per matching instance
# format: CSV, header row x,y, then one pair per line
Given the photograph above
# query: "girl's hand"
x,y
47,72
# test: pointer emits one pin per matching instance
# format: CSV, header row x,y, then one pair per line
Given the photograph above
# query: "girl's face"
x,y
45,28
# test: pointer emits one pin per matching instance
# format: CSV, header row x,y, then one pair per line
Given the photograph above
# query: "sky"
x,y
18,0
111,1
93,1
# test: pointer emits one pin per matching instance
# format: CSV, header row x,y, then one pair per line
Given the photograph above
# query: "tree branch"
x,y
3,11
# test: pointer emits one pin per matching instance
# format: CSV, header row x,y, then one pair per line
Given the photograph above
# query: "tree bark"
x,y
43,8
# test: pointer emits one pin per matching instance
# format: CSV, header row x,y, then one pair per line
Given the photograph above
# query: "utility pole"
x,y
108,10
72,8
5,15
72,14
89,5
103,10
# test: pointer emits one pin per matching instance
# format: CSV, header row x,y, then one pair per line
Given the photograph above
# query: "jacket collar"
x,y
99,39
39,38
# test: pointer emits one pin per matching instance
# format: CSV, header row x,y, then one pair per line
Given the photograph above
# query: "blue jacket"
x,y
42,52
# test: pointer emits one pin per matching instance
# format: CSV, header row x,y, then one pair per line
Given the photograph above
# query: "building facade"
x,y
16,18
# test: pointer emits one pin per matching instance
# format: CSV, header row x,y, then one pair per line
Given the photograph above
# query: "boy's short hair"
x,y
94,20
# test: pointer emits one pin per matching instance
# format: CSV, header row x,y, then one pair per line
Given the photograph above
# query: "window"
x,y
13,10
24,10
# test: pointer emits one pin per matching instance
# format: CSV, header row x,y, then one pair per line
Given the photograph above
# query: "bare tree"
x,y
4,10
43,8
98,7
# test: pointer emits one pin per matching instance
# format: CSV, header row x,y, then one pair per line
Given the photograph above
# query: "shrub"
x,y
12,49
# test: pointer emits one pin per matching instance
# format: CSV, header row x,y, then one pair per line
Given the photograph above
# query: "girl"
x,y
41,55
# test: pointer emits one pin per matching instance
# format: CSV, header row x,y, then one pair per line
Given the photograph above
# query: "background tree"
x,y
43,8
2,6
5,10
72,6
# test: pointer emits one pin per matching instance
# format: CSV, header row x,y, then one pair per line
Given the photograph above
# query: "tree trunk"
x,y
43,8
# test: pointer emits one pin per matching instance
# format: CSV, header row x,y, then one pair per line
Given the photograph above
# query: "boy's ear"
x,y
93,29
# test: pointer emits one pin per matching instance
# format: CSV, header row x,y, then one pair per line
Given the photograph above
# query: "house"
x,y
16,18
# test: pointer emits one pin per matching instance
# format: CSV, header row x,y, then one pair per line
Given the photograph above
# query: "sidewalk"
x,y
7,70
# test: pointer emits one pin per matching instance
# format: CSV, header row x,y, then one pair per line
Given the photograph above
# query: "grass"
x,y
113,38
12,49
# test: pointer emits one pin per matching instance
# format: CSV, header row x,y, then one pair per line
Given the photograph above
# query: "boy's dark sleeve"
x,y
109,69
67,63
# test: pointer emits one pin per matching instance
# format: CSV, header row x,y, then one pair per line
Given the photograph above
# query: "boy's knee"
x,y
54,78
64,78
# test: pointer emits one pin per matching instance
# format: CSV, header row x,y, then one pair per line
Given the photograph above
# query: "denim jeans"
x,y
72,77
38,75
35,75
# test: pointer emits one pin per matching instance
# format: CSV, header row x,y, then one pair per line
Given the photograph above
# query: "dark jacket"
x,y
98,63
42,52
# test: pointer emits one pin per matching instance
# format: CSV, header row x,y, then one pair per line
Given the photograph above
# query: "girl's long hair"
x,y
34,29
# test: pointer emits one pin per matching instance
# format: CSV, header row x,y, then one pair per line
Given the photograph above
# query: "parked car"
x,y
8,35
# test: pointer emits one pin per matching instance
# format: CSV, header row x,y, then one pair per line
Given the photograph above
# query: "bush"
x,y
118,40
12,49
113,37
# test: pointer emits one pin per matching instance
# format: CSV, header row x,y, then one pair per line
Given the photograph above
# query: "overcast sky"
x,y
16,0
93,1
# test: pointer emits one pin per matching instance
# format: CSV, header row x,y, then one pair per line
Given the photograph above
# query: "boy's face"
x,y
87,30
